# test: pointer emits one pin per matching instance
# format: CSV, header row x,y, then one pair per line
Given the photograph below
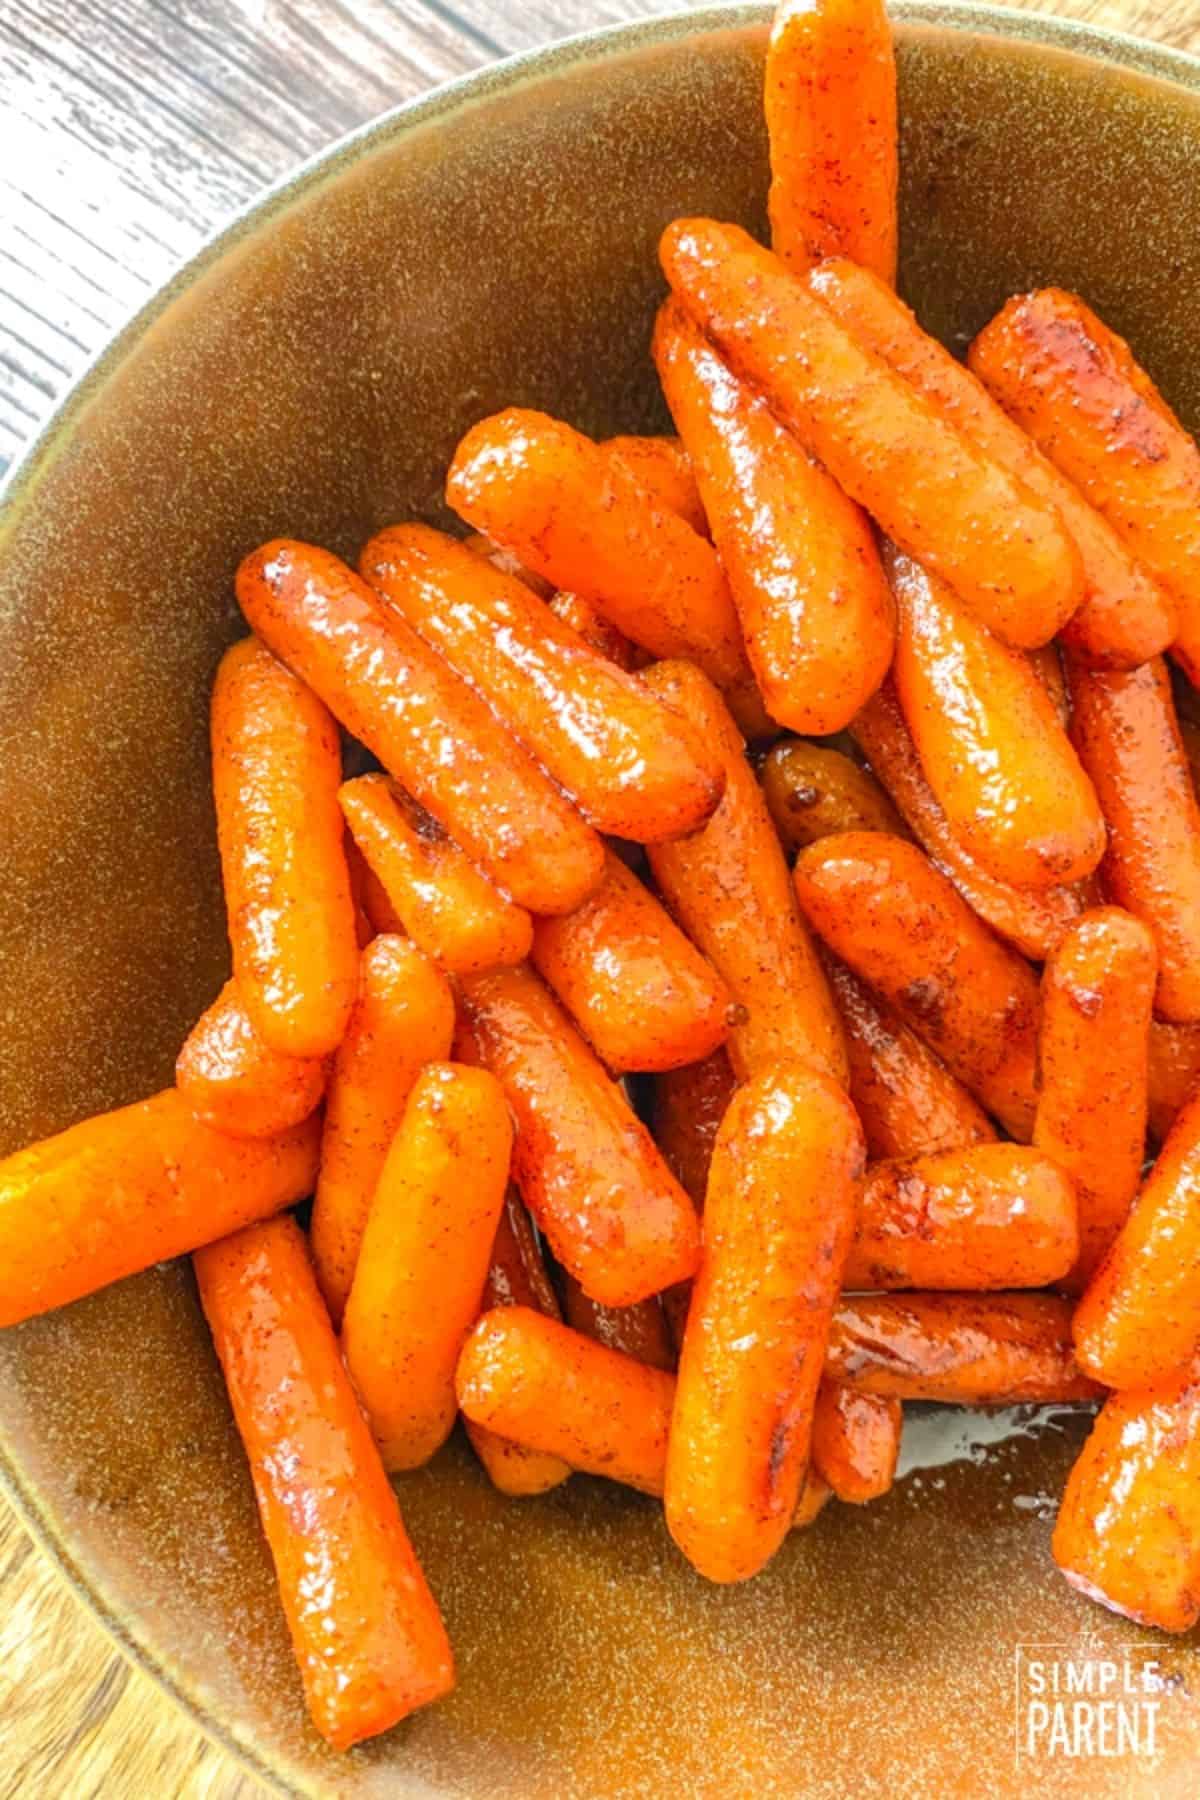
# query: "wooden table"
x,y
129,130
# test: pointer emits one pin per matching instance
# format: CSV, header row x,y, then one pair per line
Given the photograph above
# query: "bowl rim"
x,y
33,465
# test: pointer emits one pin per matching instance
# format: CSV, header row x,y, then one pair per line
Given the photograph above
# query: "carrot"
x,y
235,1082
728,887
446,905
1075,387
633,768
582,617
367,896
663,468
1004,552
830,102
423,723
508,564
886,911
777,1223
640,992
639,1331
424,1259
1097,994
276,765
133,1187
985,1217
1127,735
800,557
855,1441
993,751
404,1018
688,1107
583,522
1174,1073
366,1631
1046,664
813,792
1126,615
815,1495
1128,1531
586,1166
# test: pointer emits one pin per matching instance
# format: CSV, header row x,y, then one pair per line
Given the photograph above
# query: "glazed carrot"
x,y
586,1166
907,1101
235,1082
1128,1531
777,1223
423,723
640,991
999,763
1097,994
855,1441
985,1217
1074,386
830,102
960,1349
630,764
1128,739
1033,922
276,765
1046,664
446,905
508,564
424,1258
1003,551
727,885
596,630
1174,1073
1126,615
403,1019
130,1188
815,1495
367,896
800,557
581,520
886,911
663,467
639,1331
365,1628
813,792
688,1107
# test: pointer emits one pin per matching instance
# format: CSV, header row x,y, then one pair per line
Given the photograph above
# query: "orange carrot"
x,y
1097,993
508,564
423,723
586,1166
885,910
367,896
855,1441
448,907
366,1631
235,1082
800,557
663,467
404,1018
276,765
777,1223
1046,664
596,630
640,992
639,1331
830,102
424,1259
1174,1073
1004,552
689,1105
813,792
815,1495
130,1188
727,885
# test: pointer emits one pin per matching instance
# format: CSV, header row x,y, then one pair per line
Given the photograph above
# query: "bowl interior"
x,y
310,376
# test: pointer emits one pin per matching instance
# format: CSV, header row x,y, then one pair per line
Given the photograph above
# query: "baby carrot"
x,y
886,911
235,1082
508,564
276,765
1126,615
777,1222
728,887
403,1019
595,630
687,1110
855,1441
586,1166
1174,1073
640,991
632,766
424,1259
830,102
663,467
813,792
424,724
447,906
1046,664
130,1188
366,1631
1004,552
1097,994
815,610
639,1331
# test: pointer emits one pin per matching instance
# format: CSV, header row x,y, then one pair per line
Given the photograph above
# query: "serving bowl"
x,y
309,374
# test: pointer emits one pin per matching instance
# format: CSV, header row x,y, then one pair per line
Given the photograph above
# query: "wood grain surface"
x,y
129,130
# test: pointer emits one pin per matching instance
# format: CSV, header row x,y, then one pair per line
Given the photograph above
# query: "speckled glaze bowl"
x,y
309,373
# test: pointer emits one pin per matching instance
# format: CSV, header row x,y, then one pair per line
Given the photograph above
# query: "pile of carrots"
x,y
648,1155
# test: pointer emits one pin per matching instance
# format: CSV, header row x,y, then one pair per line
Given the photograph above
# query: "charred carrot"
x,y
423,723
855,1441
235,1082
276,765
1174,1073
366,1631
688,1107
639,1331
663,467
813,792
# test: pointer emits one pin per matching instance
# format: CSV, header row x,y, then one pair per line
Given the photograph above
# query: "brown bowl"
x,y
309,373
